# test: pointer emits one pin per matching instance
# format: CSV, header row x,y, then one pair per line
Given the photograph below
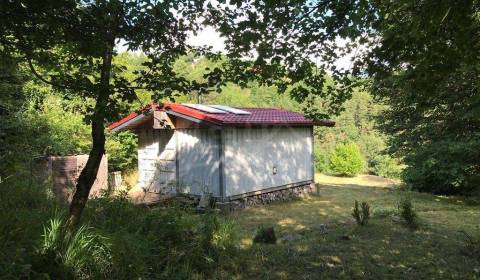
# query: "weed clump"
x,y
361,213
265,235
78,253
407,212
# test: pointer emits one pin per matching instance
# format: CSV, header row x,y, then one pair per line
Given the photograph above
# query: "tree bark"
x,y
89,172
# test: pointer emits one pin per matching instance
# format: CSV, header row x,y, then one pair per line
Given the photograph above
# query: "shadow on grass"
x,y
384,249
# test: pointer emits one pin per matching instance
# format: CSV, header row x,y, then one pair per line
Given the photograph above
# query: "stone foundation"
x,y
268,197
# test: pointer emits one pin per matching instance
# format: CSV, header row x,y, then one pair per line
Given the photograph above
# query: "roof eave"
x,y
129,120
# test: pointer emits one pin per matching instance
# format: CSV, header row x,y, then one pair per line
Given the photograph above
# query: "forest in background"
x,y
42,121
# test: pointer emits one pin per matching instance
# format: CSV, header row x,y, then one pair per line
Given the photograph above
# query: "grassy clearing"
x,y
384,249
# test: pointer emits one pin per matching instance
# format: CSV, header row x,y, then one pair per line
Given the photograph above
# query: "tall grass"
x,y
80,253
117,240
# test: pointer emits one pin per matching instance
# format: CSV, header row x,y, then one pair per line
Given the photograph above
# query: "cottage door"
x,y
165,169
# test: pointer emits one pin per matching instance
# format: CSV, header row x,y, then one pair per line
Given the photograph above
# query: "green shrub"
x,y
265,235
23,210
385,166
346,159
166,243
42,124
361,214
448,166
122,151
225,236
407,212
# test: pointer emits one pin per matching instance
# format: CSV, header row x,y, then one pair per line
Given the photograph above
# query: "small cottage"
x,y
226,152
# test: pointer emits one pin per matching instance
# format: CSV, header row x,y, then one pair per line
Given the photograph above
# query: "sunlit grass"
x,y
385,249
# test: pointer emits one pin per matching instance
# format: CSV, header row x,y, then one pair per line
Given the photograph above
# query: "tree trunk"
x,y
89,172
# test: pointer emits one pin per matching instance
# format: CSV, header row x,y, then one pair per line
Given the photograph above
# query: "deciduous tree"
x,y
70,44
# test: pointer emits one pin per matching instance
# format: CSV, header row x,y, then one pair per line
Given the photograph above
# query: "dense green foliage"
x,y
346,159
38,121
425,67
385,166
117,240
358,124
122,151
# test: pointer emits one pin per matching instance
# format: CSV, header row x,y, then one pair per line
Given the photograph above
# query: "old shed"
x,y
226,152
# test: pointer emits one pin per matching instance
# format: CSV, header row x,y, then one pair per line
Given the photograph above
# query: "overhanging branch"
x,y
41,78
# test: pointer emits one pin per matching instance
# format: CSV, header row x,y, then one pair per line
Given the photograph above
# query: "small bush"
x,y
407,212
361,214
166,243
225,236
346,160
265,235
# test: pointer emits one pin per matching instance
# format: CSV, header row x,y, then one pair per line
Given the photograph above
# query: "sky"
x,y
206,37
209,37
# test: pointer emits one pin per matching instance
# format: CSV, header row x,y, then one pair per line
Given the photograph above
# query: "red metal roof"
x,y
257,116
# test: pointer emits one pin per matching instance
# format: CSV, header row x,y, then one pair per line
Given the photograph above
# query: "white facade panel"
x,y
198,161
156,159
261,158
